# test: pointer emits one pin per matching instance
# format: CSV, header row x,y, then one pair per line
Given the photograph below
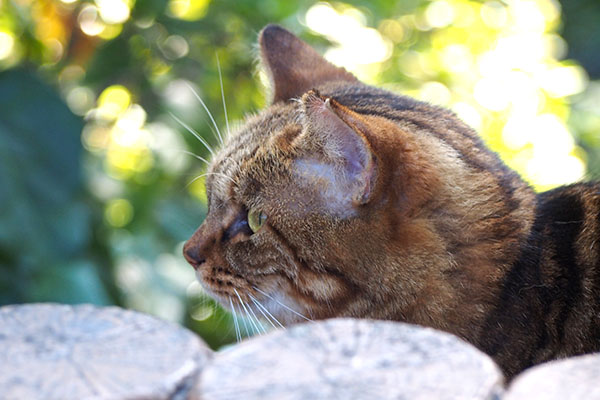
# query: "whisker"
x,y
207,111
264,310
260,324
193,132
281,304
246,311
245,324
210,173
264,315
189,153
223,94
238,335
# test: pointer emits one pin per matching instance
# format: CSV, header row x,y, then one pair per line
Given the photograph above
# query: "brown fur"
x,y
379,206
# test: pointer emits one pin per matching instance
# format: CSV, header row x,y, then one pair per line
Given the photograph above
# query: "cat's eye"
x,y
256,219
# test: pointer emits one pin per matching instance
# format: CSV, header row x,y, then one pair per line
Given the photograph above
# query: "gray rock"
x,y
50,351
352,359
574,378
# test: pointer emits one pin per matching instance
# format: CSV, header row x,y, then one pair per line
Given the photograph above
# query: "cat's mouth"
x,y
237,294
224,284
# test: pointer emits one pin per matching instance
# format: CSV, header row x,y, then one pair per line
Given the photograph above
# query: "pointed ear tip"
x,y
270,33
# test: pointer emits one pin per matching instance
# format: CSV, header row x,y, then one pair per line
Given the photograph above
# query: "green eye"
x,y
256,219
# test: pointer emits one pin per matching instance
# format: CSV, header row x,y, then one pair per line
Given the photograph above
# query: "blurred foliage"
x,y
100,177
48,250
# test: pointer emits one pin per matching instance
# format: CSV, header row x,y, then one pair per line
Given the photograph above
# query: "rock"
x,y
574,378
352,359
50,351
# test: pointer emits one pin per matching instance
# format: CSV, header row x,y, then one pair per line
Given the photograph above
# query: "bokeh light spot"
x,y
132,119
438,14
111,31
494,14
468,113
347,30
89,21
457,58
80,100
7,43
392,29
119,212
113,11
203,312
95,138
563,80
492,93
175,47
113,101
190,10
435,93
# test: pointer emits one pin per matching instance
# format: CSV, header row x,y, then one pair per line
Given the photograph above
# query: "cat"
x,y
344,200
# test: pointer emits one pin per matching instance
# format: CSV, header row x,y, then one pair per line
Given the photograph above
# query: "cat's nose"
x,y
193,255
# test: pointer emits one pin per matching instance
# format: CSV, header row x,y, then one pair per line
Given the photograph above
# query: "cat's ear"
x,y
293,66
336,152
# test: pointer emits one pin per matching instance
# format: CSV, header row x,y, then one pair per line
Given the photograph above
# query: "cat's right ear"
x,y
293,66
335,155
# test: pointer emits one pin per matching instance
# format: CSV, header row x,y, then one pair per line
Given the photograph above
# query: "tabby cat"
x,y
344,200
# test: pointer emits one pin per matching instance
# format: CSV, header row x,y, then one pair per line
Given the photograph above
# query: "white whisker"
x,y
255,327
193,132
189,153
245,323
260,324
210,173
223,95
264,310
238,335
207,111
281,304
264,315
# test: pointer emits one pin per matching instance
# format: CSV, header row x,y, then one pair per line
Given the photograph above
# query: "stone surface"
x,y
573,378
352,359
50,351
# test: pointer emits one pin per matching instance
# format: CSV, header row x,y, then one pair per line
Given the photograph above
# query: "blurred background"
x,y
98,189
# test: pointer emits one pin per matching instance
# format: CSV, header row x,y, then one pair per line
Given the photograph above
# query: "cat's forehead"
x,y
243,144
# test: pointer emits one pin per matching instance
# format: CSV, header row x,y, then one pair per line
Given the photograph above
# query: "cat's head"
x,y
340,199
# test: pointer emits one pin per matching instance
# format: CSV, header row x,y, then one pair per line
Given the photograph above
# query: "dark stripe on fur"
x,y
567,212
595,284
523,285
543,289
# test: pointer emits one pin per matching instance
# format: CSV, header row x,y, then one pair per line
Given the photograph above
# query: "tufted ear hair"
x,y
293,66
337,157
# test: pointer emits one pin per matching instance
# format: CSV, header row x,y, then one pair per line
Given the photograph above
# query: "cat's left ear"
x,y
293,66
337,154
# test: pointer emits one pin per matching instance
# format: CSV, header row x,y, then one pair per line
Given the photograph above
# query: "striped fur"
x,y
424,225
